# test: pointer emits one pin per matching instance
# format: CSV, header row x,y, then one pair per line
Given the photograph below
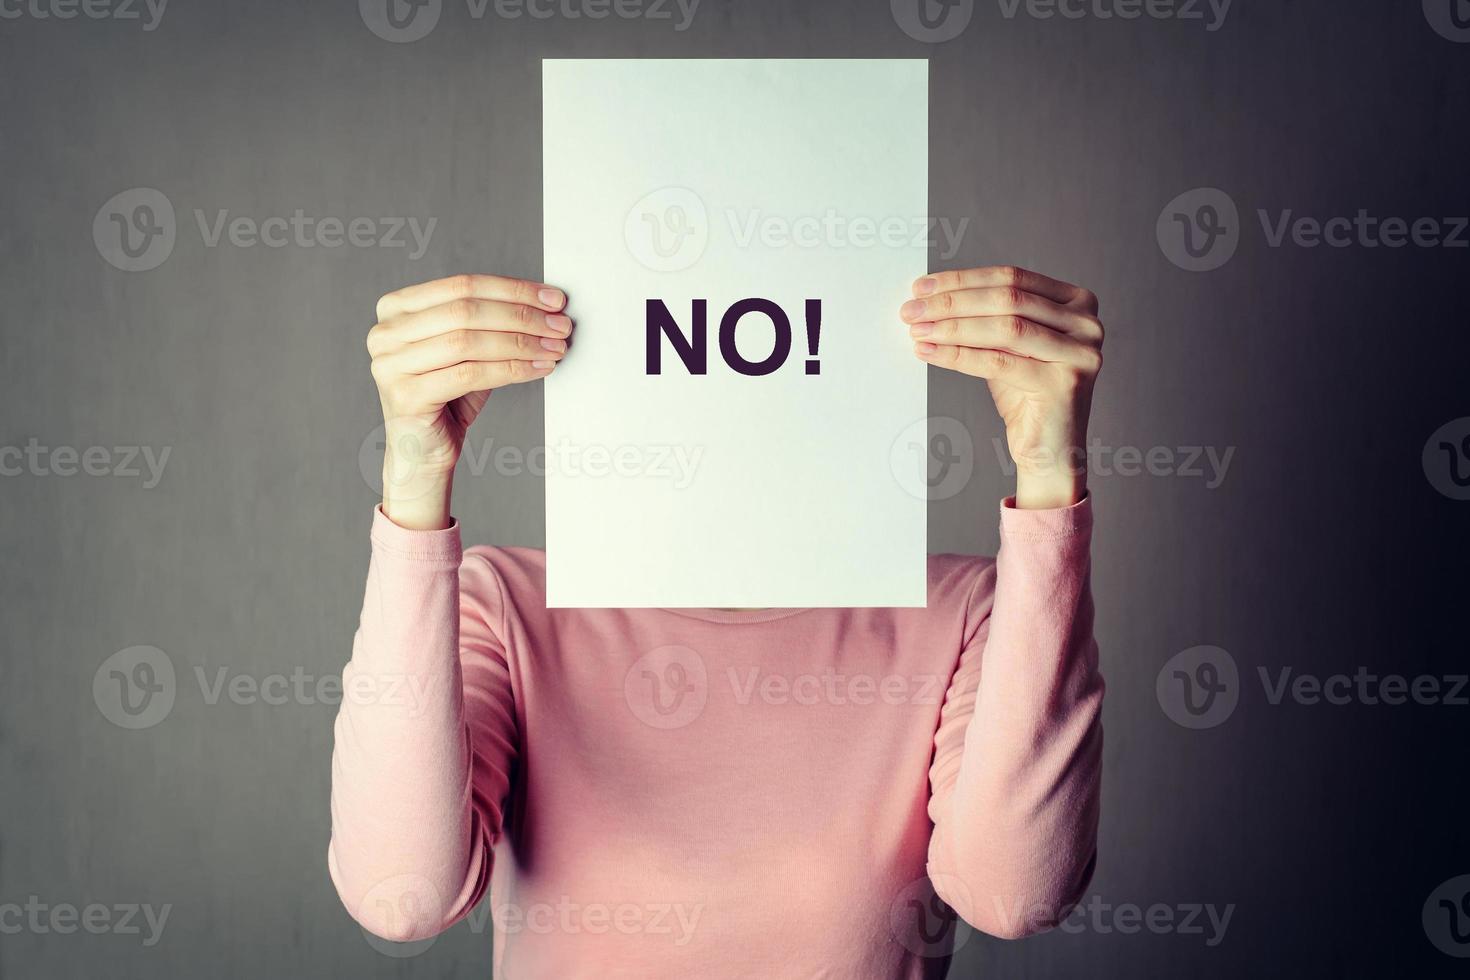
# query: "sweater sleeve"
x,y
425,737
1014,783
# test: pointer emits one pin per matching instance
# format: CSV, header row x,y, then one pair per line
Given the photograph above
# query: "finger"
x,y
993,365
422,296
451,348
466,314
1015,334
446,384
1003,301
1007,275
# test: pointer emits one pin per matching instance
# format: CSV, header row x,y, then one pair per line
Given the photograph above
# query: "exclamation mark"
x,y
813,334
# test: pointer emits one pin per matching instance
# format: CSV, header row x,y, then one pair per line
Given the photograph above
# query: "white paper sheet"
x,y
777,180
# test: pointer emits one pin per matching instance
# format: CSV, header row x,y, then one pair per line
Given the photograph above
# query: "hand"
x,y
1038,343
439,349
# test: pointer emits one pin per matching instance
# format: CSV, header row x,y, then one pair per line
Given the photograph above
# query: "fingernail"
x,y
551,297
557,345
561,323
912,310
926,285
921,330
542,365
926,349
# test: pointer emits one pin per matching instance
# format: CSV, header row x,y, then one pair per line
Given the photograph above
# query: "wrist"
x,y
1058,486
419,503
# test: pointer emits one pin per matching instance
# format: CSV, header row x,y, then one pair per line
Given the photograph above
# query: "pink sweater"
x,y
696,793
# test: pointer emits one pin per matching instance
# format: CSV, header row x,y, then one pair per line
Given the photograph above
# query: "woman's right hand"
x,y
438,350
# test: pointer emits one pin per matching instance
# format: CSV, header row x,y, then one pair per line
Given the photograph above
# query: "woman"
x,y
711,793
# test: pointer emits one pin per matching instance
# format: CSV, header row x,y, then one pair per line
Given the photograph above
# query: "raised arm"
x,y
1014,782
426,735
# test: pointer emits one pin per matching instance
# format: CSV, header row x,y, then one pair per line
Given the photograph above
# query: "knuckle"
x,y
462,285
998,361
1016,327
385,303
1088,301
523,314
518,370
1009,275
462,310
1011,297
459,341
466,372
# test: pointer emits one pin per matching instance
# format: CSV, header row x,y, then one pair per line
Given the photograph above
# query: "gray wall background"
x,y
1327,547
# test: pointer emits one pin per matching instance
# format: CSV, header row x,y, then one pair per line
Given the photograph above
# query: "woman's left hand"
x,y
1037,341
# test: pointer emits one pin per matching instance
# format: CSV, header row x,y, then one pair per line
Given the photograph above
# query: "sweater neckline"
x,y
735,615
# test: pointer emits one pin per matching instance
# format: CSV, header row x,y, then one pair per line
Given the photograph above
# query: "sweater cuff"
x,y
1045,525
440,547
